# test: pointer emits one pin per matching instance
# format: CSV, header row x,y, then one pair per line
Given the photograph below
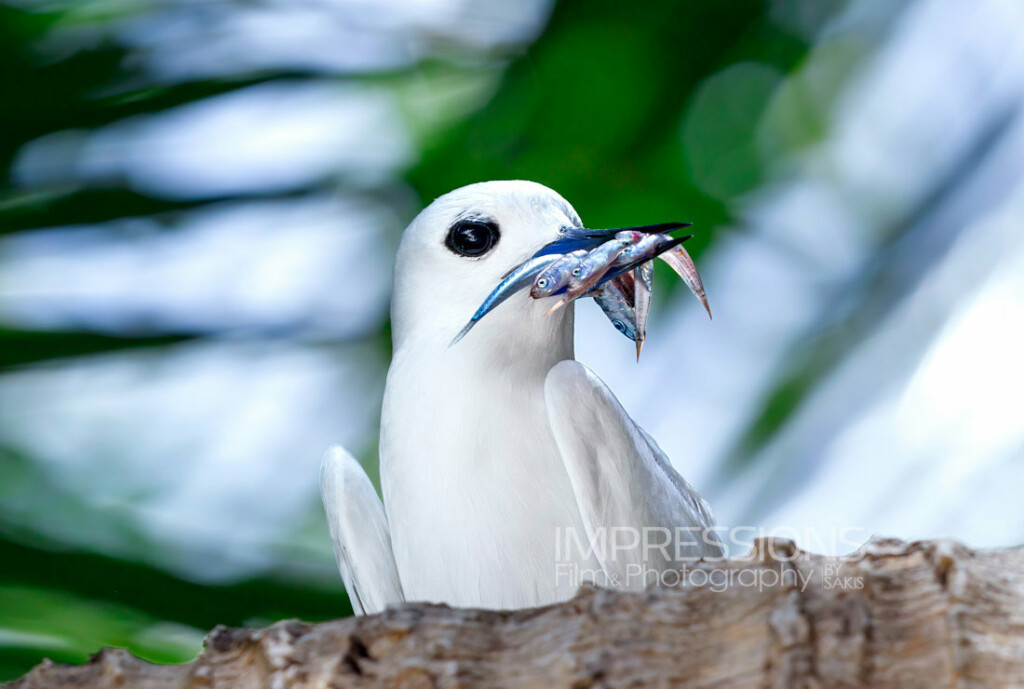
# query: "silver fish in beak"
x,y
616,299
684,266
556,276
643,247
626,301
644,250
643,278
609,264
612,266
590,270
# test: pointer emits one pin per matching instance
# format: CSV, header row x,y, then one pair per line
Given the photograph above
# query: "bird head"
x,y
475,248
465,243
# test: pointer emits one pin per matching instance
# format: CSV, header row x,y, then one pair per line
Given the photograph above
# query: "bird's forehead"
x,y
507,203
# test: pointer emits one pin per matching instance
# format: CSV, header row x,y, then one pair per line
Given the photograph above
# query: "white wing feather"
x,y
359,530
622,480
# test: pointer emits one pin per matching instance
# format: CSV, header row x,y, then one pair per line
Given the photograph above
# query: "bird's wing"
x,y
622,481
359,529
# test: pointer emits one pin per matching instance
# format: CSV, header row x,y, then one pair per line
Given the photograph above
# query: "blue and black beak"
x,y
576,238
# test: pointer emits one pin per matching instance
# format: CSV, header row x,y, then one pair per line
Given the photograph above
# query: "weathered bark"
x,y
928,614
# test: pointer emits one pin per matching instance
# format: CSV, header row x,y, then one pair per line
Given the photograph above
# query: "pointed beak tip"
x,y
462,333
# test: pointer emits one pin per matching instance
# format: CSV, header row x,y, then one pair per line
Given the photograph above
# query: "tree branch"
x,y
926,614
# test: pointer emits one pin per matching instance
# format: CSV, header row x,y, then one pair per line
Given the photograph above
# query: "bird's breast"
x,y
474,486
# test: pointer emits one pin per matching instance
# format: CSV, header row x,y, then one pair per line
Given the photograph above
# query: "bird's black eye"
x,y
472,237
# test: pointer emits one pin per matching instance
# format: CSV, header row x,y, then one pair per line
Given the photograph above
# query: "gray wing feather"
x,y
621,479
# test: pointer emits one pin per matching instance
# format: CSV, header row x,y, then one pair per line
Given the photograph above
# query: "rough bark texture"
x,y
927,614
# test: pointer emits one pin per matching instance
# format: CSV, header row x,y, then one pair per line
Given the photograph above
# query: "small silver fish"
x,y
633,236
643,290
557,275
645,247
618,274
615,298
681,262
643,251
593,267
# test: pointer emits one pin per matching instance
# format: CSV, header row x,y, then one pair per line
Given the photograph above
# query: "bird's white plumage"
x,y
493,448
359,530
620,477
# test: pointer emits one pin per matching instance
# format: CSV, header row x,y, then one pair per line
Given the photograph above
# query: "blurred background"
x,y
201,200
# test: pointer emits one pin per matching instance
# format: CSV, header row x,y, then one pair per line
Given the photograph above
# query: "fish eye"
x,y
472,237
576,271
542,283
619,325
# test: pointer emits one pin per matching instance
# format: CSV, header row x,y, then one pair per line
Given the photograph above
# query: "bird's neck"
x,y
515,342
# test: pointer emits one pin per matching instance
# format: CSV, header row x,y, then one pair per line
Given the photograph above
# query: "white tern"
x,y
510,472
